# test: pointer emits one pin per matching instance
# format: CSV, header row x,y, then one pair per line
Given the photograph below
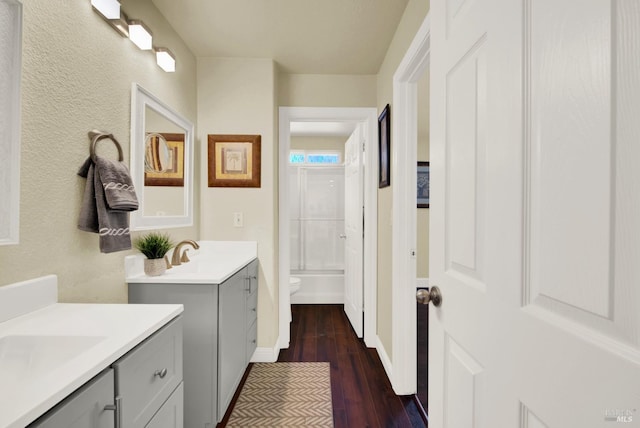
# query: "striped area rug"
x,y
285,395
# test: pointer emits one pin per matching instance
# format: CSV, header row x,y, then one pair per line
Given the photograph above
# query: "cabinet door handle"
x,y
160,373
117,409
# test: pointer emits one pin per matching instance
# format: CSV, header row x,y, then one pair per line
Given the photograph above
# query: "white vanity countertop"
x,y
213,263
41,373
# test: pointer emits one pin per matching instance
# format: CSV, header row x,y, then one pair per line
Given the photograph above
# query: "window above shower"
x,y
315,157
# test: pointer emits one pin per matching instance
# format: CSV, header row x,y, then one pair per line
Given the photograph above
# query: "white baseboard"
x,y
317,298
384,357
266,355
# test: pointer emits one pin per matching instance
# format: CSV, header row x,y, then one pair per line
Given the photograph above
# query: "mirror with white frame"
x,y
161,163
10,73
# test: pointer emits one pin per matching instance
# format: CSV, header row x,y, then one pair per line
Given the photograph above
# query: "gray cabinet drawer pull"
x,y
160,373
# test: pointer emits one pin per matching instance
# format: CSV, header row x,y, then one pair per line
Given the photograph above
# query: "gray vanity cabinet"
x,y
231,337
236,331
85,407
219,338
142,389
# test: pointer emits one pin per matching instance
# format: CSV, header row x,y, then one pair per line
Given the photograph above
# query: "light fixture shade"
x,y
165,59
140,35
110,9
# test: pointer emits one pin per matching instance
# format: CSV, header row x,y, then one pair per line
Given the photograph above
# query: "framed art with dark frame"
x,y
233,160
384,148
423,185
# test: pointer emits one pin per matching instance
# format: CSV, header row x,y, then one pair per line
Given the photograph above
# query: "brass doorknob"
x,y
432,295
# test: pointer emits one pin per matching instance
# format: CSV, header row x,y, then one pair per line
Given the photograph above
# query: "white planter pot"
x,y
155,267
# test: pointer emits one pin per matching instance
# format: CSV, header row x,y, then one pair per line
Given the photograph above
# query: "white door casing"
x,y
403,181
536,257
353,212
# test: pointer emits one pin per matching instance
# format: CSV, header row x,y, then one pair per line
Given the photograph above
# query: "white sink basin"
x,y
213,263
24,357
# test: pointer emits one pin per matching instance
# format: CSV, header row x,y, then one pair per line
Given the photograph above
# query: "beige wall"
x,y
236,96
326,90
77,75
412,18
319,143
422,220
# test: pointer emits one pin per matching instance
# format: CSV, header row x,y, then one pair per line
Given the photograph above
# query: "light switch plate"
x,y
238,220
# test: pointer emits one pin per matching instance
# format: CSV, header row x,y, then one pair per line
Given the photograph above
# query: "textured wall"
x,y
77,75
236,96
411,20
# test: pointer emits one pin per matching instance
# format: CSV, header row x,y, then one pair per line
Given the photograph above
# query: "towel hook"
x,y
96,136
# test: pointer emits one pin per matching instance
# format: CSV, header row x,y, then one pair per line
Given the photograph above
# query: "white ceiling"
x,y
302,36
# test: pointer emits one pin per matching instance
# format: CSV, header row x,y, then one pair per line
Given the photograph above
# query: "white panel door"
x,y
535,213
353,212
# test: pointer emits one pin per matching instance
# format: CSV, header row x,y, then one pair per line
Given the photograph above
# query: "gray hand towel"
x,y
96,216
118,187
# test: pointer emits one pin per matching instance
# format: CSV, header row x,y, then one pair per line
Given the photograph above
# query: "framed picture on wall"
x,y
384,148
234,160
423,185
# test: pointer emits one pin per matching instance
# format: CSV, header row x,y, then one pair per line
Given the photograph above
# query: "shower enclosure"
x,y
317,226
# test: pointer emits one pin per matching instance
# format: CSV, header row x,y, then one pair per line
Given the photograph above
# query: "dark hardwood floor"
x,y
361,392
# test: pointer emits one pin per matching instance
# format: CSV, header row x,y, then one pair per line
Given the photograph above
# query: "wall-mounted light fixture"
x,y
110,9
165,59
136,30
140,34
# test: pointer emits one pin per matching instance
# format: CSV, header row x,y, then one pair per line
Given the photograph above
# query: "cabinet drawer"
x,y
252,341
147,376
171,415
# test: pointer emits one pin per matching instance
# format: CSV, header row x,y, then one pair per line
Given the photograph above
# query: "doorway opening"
x,y
364,120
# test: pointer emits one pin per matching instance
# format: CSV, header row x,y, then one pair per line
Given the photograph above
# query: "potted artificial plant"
x,y
154,246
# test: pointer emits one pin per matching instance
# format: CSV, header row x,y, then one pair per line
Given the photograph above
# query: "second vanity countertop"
x,y
60,346
213,263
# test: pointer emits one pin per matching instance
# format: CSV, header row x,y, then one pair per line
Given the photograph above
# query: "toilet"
x,y
294,285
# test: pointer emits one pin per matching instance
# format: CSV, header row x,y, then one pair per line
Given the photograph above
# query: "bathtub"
x,y
319,288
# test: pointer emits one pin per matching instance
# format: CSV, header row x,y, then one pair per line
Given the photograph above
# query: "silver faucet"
x,y
177,259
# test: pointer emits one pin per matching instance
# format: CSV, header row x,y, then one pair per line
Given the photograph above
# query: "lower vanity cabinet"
x,y
232,360
85,408
148,376
238,312
219,338
142,389
171,414
252,309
